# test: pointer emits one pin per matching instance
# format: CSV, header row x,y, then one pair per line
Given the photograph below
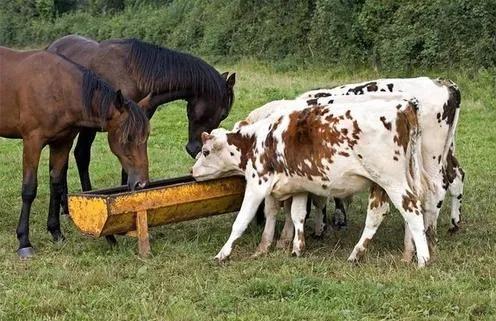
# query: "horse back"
x,y
35,88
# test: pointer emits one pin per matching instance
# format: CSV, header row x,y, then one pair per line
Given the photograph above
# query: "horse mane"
x,y
96,92
157,69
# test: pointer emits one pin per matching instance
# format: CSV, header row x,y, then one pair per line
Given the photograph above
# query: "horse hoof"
x,y
58,237
25,253
111,240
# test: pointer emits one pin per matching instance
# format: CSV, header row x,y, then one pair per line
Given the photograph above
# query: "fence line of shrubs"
x,y
397,35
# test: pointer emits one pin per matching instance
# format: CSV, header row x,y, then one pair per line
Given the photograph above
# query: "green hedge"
x,y
392,35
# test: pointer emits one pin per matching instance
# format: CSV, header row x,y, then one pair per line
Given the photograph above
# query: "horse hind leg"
x,y
59,154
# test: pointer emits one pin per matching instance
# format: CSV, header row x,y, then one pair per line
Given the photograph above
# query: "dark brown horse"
x,y
154,76
44,100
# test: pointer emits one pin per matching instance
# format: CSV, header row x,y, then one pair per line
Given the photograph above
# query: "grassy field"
x,y
83,279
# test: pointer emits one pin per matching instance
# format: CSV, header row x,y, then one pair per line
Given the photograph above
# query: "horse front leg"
x,y
82,153
64,203
59,154
30,159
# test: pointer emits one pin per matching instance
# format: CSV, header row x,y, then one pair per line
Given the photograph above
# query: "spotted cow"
x,y
439,111
325,151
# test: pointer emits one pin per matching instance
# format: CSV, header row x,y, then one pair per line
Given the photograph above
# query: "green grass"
x,y
84,279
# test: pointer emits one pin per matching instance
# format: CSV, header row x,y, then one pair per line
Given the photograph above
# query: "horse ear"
x,y
231,80
144,103
119,101
224,75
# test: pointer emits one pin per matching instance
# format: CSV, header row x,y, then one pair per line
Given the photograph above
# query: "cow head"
x,y
218,158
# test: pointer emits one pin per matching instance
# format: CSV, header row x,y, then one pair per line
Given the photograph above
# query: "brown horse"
x,y
44,100
155,75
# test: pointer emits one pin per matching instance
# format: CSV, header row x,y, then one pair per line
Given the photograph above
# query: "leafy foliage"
x,y
393,35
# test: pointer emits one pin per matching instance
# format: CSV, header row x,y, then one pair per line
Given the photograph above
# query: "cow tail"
x,y
451,113
417,176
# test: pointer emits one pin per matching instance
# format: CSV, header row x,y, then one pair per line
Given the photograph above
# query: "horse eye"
x,y
205,153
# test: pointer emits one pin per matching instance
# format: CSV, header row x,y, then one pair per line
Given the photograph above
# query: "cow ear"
x,y
205,136
224,75
119,101
231,80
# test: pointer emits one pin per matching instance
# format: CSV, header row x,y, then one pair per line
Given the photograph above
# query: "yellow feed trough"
x,y
118,211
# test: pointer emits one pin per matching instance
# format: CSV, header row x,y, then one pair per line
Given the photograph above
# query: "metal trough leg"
x,y
142,231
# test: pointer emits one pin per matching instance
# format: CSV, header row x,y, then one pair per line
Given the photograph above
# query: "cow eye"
x,y
205,153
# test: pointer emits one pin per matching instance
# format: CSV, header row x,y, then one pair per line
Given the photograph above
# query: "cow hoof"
x,y
283,244
317,236
296,253
353,260
257,254
223,255
220,258
339,220
111,240
25,253
453,229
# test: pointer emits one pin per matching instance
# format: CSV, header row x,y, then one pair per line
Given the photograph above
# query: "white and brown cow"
x,y
439,111
325,151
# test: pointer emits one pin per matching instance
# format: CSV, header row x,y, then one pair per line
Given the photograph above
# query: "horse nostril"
x,y
191,171
139,185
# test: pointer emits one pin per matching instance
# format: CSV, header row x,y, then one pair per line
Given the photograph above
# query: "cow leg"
x,y
320,223
298,213
433,197
411,210
252,199
288,230
339,219
456,192
376,210
271,209
260,214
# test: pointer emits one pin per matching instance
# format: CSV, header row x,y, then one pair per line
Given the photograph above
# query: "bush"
x,y
393,35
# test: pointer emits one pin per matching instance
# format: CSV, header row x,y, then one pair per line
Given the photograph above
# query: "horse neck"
x,y
153,101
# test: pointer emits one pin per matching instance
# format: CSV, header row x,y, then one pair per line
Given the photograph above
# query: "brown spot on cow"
x,y
449,173
395,158
312,101
406,121
320,95
390,87
377,196
409,203
453,102
358,90
348,114
386,124
345,154
244,144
